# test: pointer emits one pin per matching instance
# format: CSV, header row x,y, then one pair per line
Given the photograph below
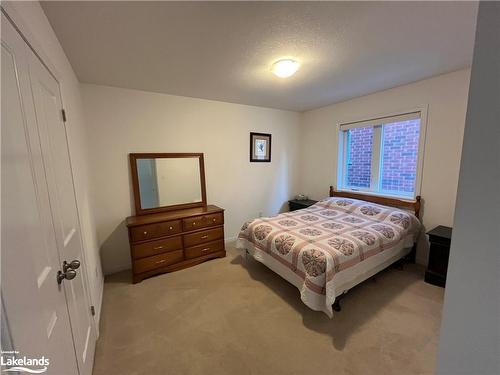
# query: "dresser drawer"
x,y
157,261
149,231
203,236
203,221
147,249
204,249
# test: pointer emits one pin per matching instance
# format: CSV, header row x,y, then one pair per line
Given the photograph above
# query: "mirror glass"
x,y
169,181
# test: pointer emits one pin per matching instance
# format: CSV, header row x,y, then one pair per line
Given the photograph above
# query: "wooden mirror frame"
x,y
135,182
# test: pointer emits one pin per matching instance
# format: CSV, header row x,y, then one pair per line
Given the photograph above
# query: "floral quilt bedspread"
x,y
332,235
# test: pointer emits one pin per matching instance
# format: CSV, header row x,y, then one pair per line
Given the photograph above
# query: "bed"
x,y
328,248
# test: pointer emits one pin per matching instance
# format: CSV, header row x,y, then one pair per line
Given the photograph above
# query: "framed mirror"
x,y
167,181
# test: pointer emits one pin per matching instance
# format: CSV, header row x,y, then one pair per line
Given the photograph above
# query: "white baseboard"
x,y
98,307
117,268
229,240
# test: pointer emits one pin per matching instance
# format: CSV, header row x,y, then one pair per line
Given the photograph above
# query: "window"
x,y
381,155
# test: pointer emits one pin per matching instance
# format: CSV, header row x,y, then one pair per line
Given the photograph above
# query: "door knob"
x,y
70,274
74,264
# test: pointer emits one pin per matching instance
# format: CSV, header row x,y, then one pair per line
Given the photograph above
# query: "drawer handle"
x,y
160,261
205,249
158,248
171,228
145,232
194,223
214,220
205,236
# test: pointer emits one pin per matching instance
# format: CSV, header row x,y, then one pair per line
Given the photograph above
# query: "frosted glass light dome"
x,y
285,68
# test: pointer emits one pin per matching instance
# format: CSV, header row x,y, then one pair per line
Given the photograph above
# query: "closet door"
x,y
35,310
56,159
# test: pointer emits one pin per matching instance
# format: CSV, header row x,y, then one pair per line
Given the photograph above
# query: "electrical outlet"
x,y
260,213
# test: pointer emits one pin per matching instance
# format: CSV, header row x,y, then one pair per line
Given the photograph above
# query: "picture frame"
x,y
260,147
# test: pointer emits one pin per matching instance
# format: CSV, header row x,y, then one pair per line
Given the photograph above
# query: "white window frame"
x,y
376,121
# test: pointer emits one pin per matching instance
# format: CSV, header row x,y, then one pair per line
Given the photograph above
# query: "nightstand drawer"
x,y
203,236
440,240
438,258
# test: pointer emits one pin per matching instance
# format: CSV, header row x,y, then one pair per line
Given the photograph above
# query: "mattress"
x,y
330,247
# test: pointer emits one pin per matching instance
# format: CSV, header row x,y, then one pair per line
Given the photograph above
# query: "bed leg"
x,y
410,258
400,264
336,304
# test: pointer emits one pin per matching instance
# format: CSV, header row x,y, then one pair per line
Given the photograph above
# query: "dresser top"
x,y
136,220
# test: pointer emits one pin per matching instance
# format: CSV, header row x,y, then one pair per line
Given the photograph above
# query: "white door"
x,y
35,306
45,232
56,158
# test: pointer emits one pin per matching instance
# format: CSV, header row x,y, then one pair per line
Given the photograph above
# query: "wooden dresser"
x,y
169,241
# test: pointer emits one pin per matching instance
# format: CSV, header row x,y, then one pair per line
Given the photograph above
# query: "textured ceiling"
x,y
224,50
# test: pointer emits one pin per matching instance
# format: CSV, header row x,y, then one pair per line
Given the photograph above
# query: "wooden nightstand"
x,y
439,252
296,204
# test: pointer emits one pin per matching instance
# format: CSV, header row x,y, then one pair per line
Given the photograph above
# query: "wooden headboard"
x,y
393,202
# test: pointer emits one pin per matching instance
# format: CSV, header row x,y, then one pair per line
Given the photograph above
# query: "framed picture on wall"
x,y
260,147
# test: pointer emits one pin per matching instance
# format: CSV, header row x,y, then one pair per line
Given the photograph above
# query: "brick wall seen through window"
x,y
400,155
359,157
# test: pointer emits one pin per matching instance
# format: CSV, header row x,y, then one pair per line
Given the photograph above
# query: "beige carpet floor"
x,y
234,316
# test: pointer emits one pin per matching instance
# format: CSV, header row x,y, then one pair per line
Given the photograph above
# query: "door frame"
x,y
24,31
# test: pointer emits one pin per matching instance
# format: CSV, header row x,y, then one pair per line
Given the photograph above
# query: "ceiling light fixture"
x,y
285,67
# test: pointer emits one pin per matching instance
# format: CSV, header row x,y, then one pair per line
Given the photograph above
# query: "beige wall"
x,y
31,19
446,99
121,121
